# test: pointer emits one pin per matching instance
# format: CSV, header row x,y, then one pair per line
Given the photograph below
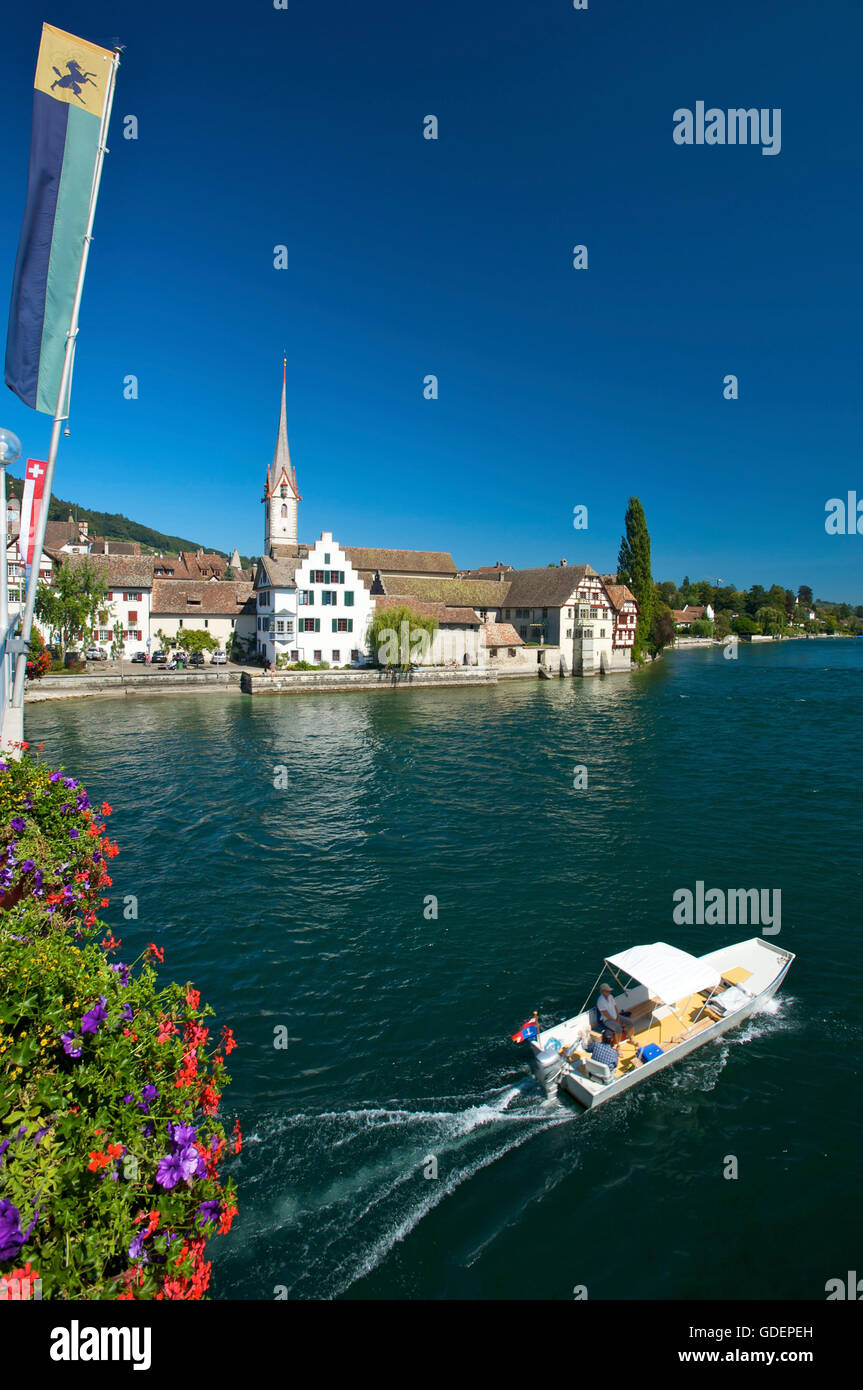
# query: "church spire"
x,y
282,468
282,494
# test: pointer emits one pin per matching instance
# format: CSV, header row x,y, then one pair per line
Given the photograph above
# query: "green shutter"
x,y
349,598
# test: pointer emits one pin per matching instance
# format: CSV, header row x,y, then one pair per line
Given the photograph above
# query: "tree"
x,y
69,604
702,627
770,620
804,593
229,573
633,569
198,640
119,643
399,636
744,626
722,625
662,631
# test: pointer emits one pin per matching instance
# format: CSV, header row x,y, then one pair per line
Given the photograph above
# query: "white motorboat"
x,y
675,1003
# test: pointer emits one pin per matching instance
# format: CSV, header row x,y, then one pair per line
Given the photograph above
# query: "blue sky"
x,y
558,387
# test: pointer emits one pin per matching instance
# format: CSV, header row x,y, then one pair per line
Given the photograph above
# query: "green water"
x,y
303,906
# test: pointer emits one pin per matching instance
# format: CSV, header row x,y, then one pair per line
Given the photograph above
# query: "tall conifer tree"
x,y
633,569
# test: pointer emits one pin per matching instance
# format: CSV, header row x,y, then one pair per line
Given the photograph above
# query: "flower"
x,y
136,1248
93,1017
182,1135
228,1041
11,1235
193,997
177,1167
238,1138
209,1211
71,1044
154,950
106,809
18,825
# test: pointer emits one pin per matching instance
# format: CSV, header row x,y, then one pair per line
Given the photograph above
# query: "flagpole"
x,y
17,719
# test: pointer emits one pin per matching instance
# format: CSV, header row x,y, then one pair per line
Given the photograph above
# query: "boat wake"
x,y
355,1183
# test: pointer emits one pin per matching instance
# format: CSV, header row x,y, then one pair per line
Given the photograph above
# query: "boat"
x,y
675,1002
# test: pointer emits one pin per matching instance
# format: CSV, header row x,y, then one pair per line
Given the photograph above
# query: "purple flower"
x,y
123,971
38,1135
70,782
182,1135
3,1147
82,801
136,1249
38,879
170,1171
28,866
18,825
209,1211
55,777
127,1100
11,1235
73,834
71,1044
147,1094
126,1012
148,1130
93,1017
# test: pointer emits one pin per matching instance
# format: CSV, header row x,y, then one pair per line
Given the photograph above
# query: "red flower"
x,y
193,997
106,809
228,1213
228,1041
238,1138
154,950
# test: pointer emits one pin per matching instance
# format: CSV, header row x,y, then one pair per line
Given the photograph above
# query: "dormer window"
x,y
283,490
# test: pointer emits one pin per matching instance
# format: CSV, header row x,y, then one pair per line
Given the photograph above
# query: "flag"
x,y
526,1031
69,100
31,506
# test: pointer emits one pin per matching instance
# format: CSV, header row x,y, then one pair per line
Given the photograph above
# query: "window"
x,y
319,656
295,656
337,658
349,598
327,559
280,625
594,612
131,598
307,596
569,632
602,632
310,624
132,635
343,624
317,576
206,621
284,509
180,623
329,597
109,596
355,655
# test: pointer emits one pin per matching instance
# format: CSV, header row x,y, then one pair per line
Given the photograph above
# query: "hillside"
x,y
114,526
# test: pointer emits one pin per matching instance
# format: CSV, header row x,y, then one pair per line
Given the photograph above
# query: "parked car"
x,y
95,654
160,658
196,659
218,659
139,656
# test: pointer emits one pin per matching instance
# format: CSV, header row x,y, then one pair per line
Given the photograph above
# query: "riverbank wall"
x,y
298,682
70,687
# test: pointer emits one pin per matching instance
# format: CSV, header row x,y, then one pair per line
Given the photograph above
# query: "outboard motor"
x,y
547,1067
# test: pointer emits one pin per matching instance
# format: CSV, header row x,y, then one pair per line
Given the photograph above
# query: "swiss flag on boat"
x,y
526,1031
31,505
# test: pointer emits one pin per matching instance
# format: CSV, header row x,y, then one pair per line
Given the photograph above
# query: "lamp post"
x,y
10,450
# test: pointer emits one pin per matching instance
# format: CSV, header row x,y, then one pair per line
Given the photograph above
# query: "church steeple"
x,y
281,493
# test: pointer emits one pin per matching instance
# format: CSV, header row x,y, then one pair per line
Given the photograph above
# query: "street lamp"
x,y
10,450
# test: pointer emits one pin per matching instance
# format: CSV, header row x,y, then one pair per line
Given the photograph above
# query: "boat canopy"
x,y
669,974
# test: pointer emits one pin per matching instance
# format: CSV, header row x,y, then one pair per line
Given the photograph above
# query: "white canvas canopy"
x,y
669,974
